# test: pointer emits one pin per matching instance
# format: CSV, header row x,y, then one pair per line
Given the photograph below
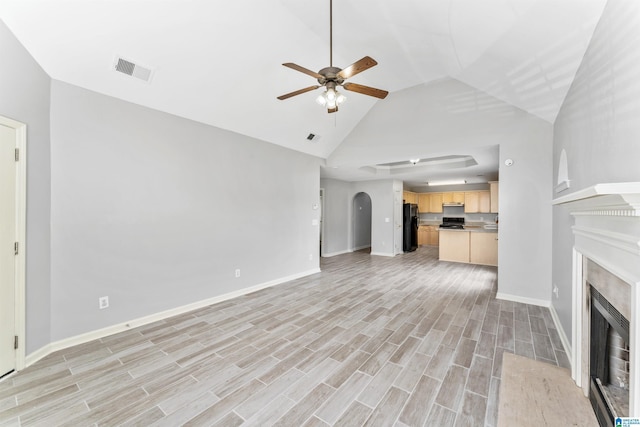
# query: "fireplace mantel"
x,y
610,199
607,226
607,231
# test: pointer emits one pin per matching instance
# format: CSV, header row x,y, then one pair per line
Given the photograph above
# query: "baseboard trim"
x,y
360,248
524,300
121,327
330,254
566,344
383,254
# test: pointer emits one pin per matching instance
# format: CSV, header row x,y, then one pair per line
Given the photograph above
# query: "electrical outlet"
x,y
237,272
556,291
103,302
310,257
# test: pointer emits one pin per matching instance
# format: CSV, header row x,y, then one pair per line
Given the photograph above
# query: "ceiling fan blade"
x,y
297,92
303,70
366,90
332,110
357,67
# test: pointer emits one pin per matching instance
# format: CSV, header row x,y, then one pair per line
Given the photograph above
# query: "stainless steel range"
x,y
452,222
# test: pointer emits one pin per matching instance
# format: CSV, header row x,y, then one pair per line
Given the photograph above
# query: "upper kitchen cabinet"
x,y
493,188
456,197
484,201
424,202
471,202
477,202
435,203
410,197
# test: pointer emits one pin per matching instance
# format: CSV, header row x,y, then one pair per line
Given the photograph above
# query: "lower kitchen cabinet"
x,y
483,248
423,235
454,246
469,247
428,235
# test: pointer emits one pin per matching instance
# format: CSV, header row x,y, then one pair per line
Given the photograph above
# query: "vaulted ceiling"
x,y
219,62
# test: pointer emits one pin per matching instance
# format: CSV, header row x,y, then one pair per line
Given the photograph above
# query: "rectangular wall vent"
x,y
313,137
132,69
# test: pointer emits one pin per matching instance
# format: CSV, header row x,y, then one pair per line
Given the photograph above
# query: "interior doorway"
x,y
321,218
12,244
361,222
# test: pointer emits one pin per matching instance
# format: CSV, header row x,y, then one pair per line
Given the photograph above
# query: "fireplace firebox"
x,y
609,361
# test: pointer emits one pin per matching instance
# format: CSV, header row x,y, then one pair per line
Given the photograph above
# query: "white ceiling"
x,y
220,62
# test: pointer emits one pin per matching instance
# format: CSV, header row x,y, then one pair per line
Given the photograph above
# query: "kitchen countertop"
x,y
473,229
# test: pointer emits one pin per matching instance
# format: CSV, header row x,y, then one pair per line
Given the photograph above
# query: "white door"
x,y
8,237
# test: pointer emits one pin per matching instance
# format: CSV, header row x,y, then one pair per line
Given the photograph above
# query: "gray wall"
x,y
361,221
24,96
447,117
334,217
156,211
598,127
338,231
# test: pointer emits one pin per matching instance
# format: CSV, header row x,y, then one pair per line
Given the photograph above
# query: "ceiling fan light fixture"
x,y
330,98
331,77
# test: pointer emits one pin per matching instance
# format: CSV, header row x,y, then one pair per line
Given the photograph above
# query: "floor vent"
x,y
132,69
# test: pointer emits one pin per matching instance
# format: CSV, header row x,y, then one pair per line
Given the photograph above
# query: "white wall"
x,y
24,96
447,117
156,211
598,127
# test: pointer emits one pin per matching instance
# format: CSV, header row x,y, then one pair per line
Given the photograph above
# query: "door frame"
x,y
21,232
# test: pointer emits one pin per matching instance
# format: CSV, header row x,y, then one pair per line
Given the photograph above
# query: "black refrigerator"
x,y
409,227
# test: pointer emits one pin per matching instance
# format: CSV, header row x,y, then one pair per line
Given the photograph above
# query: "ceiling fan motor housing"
x,y
330,74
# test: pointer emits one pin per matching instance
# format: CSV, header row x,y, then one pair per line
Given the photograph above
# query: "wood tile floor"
x,y
404,341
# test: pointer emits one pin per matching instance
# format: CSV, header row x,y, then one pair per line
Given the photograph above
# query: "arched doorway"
x,y
361,222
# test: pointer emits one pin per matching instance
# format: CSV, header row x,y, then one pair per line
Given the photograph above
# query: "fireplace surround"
x,y
606,255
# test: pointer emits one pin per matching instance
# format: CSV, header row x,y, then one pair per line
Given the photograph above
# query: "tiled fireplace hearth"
x,y
606,269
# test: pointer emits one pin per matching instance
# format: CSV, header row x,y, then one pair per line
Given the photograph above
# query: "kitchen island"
x,y
471,245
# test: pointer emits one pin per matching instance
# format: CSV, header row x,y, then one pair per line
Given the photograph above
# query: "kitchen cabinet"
x,y
435,203
484,201
453,197
454,246
483,248
493,189
471,202
477,202
433,236
423,202
428,235
475,247
410,197
423,235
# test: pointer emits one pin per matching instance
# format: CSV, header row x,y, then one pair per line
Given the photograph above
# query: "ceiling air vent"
x,y
132,69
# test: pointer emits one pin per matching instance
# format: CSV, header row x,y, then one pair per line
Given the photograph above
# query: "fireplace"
x,y
605,356
608,360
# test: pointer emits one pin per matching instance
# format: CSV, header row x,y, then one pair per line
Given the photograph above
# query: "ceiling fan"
x,y
331,77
